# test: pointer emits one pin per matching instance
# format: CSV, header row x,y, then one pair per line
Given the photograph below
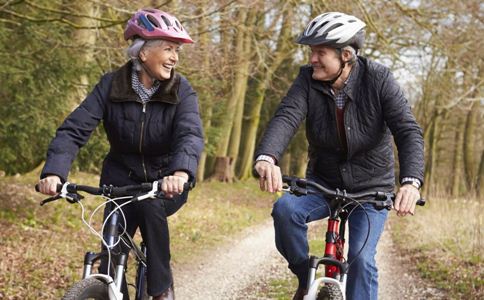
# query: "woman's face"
x,y
325,61
160,59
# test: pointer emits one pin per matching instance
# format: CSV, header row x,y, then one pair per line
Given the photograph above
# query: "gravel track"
x,y
242,267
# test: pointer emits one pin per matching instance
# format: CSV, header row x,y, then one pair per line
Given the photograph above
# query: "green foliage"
x,y
36,74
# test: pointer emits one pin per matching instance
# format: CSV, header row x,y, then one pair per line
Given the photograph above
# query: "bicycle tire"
x,y
329,292
88,288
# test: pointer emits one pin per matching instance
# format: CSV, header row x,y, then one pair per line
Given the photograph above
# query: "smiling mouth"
x,y
168,67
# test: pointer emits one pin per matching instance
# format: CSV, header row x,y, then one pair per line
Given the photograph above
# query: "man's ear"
x,y
346,55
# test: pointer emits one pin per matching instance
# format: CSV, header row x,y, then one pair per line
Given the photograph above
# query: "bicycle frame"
x,y
336,268
111,235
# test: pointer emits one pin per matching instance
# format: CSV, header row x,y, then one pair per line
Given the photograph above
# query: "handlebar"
x,y
147,190
299,187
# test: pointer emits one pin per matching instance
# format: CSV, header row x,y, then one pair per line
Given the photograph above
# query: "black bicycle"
x,y
333,284
109,286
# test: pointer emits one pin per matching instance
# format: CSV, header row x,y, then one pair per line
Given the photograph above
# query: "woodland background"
x,y
241,65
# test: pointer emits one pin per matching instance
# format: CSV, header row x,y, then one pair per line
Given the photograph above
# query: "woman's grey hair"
x,y
135,48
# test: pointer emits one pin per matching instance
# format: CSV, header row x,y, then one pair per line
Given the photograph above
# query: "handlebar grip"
x,y
421,202
59,188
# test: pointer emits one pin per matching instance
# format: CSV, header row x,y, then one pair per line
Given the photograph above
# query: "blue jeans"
x,y
291,213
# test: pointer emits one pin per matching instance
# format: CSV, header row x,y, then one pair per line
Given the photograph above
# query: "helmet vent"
x,y
167,22
153,20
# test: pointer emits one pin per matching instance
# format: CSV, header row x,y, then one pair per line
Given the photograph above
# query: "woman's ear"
x,y
142,55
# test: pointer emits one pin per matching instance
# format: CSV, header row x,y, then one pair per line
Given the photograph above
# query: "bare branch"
x,y
63,12
61,20
471,89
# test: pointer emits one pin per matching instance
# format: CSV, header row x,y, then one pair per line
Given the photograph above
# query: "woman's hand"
x,y
270,179
173,185
48,185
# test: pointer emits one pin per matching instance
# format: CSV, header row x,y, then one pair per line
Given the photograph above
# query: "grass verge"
x,y
43,247
445,242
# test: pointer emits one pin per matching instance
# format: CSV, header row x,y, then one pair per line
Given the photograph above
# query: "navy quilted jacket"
x,y
147,141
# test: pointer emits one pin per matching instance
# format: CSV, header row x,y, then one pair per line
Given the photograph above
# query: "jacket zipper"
x,y
141,141
344,127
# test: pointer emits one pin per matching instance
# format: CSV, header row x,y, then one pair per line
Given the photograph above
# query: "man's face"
x,y
325,61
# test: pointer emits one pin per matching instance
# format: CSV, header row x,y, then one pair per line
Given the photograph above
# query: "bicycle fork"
x,y
336,268
110,236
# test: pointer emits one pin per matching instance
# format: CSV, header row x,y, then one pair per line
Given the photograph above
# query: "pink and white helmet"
x,y
149,24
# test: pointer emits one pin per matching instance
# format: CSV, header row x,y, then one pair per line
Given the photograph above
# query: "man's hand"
x,y
48,185
173,185
270,179
406,199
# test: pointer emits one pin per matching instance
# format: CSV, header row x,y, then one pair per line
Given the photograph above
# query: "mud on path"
x,y
243,267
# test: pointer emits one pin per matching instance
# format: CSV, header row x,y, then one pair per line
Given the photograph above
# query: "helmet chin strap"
x,y
341,67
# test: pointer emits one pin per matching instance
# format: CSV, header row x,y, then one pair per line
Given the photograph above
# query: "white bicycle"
x,y
109,286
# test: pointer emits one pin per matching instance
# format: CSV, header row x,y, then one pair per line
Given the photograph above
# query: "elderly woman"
x,y
150,114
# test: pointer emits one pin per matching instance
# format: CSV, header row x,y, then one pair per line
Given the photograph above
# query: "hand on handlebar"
x,y
270,179
48,185
406,199
173,185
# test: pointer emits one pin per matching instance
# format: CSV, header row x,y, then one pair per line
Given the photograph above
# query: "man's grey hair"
x,y
135,48
353,54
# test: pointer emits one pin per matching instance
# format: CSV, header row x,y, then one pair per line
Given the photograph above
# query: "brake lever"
x,y
73,197
385,204
296,190
50,199
151,194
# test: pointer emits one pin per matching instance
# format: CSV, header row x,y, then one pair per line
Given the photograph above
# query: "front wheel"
x,y
88,288
330,292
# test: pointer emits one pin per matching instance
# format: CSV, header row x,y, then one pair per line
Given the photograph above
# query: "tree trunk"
x,y
457,164
223,169
84,40
240,81
301,166
207,105
480,177
432,157
469,146
282,52
285,163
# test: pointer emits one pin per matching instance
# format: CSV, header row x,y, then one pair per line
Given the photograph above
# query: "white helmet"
x,y
334,29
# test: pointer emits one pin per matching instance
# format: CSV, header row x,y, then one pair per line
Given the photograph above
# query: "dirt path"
x,y
241,268
227,270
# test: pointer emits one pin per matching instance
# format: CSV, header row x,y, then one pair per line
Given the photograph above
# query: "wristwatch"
x,y
411,180
266,158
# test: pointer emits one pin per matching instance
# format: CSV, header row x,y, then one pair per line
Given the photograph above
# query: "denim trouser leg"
x,y
290,214
363,274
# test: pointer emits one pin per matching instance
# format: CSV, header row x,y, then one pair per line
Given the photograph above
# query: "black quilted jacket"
x,y
375,110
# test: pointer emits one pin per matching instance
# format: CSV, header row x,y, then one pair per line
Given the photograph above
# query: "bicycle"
x,y
104,286
340,204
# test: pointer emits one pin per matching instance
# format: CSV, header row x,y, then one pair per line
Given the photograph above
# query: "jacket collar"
x,y
351,86
121,89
